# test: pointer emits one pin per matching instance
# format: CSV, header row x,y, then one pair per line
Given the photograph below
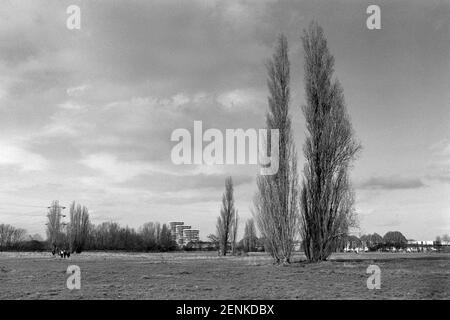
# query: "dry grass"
x,y
207,276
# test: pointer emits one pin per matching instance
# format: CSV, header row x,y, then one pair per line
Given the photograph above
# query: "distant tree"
x,y
214,240
395,239
353,241
18,236
158,232
33,245
78,228
111,236
348,241
36,237
11,238
227,216
189,246
166,242
250,238
376,239
149,238
6,232
234,231
276,200
108,234
365,238
372,240
326,195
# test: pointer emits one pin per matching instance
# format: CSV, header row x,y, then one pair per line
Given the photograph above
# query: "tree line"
x,y
11,237
392,239
79,234
17,239
152,236
375,241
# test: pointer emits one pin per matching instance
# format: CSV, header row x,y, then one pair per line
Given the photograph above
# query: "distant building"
x,y
190,235
421,245
420,242
173,229
179,234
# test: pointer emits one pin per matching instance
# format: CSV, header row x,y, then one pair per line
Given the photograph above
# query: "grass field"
x,y
207,276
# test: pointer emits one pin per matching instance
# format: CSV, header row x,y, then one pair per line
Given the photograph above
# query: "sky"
x,y
86,115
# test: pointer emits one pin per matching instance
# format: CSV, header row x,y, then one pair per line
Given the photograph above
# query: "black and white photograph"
x,y
211,150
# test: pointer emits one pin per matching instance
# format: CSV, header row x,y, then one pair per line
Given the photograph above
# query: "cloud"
x,y
17,156
115,169
439,162
69,105
76,91
239,99
391,183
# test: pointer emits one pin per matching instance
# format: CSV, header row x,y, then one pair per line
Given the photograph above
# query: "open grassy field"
x,y
207,276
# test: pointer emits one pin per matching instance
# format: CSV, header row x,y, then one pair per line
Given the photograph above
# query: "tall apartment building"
x,y
191,235
173,229
179,234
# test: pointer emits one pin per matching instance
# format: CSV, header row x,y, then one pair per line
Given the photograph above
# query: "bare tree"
x,y
78,229
234,230
330,147
166,242
250,236
276,201
10,237
214,239
18,235
6,232
148,233
227,216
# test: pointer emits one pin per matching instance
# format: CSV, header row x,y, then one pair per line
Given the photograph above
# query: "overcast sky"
x,y
87,114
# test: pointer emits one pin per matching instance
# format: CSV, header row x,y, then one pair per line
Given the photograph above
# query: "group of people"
x,y
62,253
